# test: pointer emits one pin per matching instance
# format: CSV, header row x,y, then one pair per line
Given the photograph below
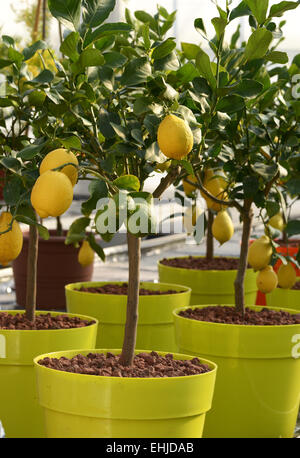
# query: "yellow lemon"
x,y
277,222
286,276
59,157
52,194
266,280
190,218
86,254
260,253
11,242
188,188
216,186
174,137
222,228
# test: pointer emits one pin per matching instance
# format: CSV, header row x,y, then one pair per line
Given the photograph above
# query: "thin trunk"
x,y
32,273
239,283
36,21
209,237
134,256
44,19
60,32
59,228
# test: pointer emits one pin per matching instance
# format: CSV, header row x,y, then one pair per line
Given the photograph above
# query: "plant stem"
x,y
209,237
36,21
32,273
44,19
134,256
59,229
239,284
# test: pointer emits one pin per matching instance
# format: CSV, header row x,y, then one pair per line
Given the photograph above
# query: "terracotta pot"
x,y
57,266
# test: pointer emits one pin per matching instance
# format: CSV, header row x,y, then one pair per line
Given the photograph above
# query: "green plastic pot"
x,y
209,286
20,412
155,324
90,406
284,298
257,390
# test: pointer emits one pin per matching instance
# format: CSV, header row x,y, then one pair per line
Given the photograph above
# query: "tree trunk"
x,y
32,273
36,21
134,256
239,283
44,19
209,237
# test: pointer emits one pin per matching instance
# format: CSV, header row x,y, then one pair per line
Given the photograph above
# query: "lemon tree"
x,y
243,99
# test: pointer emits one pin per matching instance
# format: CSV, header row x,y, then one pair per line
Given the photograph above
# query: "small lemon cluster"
x,y
259,257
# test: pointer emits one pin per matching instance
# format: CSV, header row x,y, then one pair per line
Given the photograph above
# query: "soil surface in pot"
x,y
43,321
123,290
145,365
228,315
191,262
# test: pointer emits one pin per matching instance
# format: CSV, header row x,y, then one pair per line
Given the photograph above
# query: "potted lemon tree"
x,y
254,350
128,94
28,194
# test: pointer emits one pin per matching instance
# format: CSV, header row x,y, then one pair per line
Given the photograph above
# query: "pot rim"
x,y
41,312
185,289
238,326
58,354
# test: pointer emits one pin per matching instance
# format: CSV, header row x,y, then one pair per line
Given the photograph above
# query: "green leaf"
x,y
168,63
199,25
219,25
28,153
272,208
66,11
44,77
9,41
147,18
136,72
69,46
96,247
108,29
266,171
187,73
258,44
13,190
231,104
96,11
43,231
77,230
128,182
248,88
203,65
278,9
98,190
241,10
259,8
278,57
153,154
70,142
104,43
5,63
31,50
293,186
293,228
146,37
163,49
190,50
11,163
91,57
114,59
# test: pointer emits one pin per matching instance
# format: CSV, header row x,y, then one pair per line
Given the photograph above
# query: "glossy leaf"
x,y
66,11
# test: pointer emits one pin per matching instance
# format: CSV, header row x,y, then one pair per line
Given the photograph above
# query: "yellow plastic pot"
x,y
284,298
209,286
257,390
155,324
90,406
20,412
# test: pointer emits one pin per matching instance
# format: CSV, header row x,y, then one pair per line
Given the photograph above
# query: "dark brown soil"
x,y
123,290
296,286
145,365
229,315
202,263
42,322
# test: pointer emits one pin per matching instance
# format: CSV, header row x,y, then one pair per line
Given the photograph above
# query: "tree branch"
x,y
166,181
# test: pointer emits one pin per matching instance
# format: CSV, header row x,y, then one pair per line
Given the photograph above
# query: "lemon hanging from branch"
x,y
11,242
59,157
222,228
266,280
174,137
260,253
52,194
286,276
86,254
